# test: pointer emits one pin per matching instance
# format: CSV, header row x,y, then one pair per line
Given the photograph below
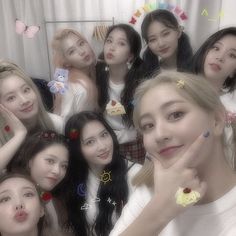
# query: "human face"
x,y
96,145
77,52
20,207
49,166
220,61
117,48
18,97
162,40
171,124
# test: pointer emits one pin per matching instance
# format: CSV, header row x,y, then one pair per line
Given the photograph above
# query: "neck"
x,y
33,232
169,63
96,170
218,175
117,73
30,124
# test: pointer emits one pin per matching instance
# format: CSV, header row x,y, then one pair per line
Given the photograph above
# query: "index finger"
x,y
193,151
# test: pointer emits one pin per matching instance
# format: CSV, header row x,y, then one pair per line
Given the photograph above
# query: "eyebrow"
x,y
163,107
218,42
83,140
14,91
24,188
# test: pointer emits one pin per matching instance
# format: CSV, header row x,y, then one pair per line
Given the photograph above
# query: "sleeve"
x,y
231,231
132,209
75,103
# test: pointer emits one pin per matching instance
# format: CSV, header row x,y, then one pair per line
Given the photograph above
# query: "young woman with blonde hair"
x,y
191,149
72,52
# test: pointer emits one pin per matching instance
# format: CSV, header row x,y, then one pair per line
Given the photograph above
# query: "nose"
x,y
81,51
101,145
220,57
160,42
162,133
19,205
23,99
56,169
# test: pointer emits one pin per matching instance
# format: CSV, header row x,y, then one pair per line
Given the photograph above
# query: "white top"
x,y
74,100
213,219
124,134
57,123
229,101
92,188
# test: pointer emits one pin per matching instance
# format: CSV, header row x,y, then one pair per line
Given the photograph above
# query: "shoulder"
x,y
57,122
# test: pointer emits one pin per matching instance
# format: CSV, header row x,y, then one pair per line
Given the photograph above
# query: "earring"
x,y
106,68
129,65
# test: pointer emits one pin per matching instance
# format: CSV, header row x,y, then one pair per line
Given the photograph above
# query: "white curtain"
x,y
34,54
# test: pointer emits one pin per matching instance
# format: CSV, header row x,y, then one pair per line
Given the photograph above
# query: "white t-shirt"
x,y
124,134
92,188
217,218
229,101
73,101
57,123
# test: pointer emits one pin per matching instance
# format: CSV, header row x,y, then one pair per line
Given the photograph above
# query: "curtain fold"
x,y
34,55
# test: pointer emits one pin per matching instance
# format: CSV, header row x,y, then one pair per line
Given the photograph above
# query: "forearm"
x,y
8,150
154,217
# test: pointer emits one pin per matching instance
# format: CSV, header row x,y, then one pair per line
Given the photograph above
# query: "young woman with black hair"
x,y
168,47
117,79
101,181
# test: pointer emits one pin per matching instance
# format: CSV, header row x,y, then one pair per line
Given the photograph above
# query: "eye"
x,y
152,40
90,142
121,43
29,194
50,161
64,166
146,127
81,43
71,52
175,115
4,199
215,48
27,90
105,134
10,98
232,55
108,41
166,33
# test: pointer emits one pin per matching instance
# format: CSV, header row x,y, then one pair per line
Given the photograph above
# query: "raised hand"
x,y
12,122
180,175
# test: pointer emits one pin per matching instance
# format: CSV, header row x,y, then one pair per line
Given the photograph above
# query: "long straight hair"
x,y
8,69
117,189
132,78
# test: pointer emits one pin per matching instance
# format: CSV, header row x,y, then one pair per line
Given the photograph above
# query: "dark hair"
x,y
117,189
31,147
200,56
132,78
184,51
7,176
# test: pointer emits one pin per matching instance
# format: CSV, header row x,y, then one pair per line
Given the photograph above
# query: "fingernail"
x,y
206,134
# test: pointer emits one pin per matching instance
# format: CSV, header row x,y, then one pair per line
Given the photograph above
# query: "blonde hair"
x,y
58,56
44,122
198,91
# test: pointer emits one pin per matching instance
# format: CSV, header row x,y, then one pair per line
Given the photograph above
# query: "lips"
x,y
169,150
163,51
52,179
215,67
21,216
109,56
27,109
86,58
104,155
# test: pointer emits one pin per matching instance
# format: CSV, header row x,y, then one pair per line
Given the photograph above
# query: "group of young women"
x,y
75,171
